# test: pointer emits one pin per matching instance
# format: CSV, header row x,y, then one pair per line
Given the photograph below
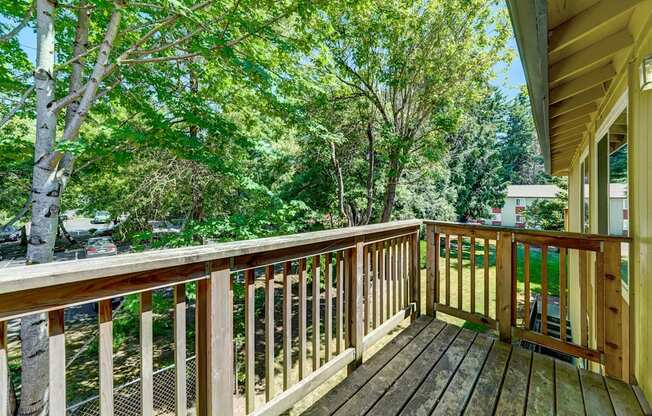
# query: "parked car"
x,y
101,217
100,246
9,233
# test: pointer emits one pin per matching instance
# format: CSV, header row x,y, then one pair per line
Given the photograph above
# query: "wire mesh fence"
x,y
126,398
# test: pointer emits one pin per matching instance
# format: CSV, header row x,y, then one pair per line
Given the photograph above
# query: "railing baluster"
x,y
460,242
146,355
599,296
303,322
394,263
399,272
616,351
180,349
355,319
485,261
381,280
365,290
504,285
415,272
106,357
448,270
316,347
328,315
376,284
526,283
339,306
388,278
287,325
544,289
472,255
269,332
250,333
562,293
57,363
406,273
583,269
4,371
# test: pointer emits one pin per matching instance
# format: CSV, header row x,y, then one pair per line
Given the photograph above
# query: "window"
x,y
520,202
584,191
520,219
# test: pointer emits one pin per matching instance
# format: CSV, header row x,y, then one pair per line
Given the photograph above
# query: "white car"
x,y
101,217
100,246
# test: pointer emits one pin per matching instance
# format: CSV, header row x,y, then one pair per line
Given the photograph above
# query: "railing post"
x,y
432,269
215,341
504,285
616,352
356,312
415,273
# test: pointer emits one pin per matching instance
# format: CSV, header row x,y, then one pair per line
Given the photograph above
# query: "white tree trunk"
x,y
45,211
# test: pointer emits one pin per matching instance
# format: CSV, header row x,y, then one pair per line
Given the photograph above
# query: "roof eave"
x,y
533,50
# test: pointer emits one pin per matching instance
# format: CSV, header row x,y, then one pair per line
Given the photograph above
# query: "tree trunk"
x,y
45,213
395,171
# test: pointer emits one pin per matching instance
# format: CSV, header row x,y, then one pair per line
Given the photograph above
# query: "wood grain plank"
x,y
356,308
447,270
596,397
376,286
343,391
365,290
399,273
395,276
485,394
365,398
389,278
316,320
515,385
180,382
407,384
437,272
485,261
328,310
250,341
303,320
146,354
458,392
568,390
57,363
269,333
615,351
623,398
429,393
583,277
105,316
544,290
287,325
4,371
541,395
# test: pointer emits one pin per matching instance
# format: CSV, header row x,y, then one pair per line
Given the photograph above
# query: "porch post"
x,y
356,310
504,285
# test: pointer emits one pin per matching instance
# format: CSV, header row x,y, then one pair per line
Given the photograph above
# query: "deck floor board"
x,y
433,367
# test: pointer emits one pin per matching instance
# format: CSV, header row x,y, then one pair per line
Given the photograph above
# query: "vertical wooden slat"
x,y
4,371
584,330
146,355
460,297
513,279
250,331
328,312
406,271
303,319
381,281
394,261
180,350
544,289
437,250
616,329
106,357
389,269
485,261
472,254
415,281
503,285
526,283
599,296
431,270
562,293
376,285
57,363
214,340
365,290
287,326
269,332
355,319
448,269
399,272
316,347
339,307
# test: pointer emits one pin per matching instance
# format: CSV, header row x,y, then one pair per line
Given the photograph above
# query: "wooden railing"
x,y
370,284
503,259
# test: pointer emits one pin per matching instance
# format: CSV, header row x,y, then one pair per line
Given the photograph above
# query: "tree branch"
x,y
17,107
13,32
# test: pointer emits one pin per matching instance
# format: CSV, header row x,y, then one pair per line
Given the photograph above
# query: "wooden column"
x,y
57,363
181,401
146,355
105,316
504,285
616,364
356,312
4,371
215,341
431,269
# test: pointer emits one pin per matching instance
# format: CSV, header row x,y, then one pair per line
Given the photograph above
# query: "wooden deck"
x,y
437,368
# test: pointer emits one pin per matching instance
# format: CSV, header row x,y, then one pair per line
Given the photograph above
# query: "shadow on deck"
x,y
436,368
